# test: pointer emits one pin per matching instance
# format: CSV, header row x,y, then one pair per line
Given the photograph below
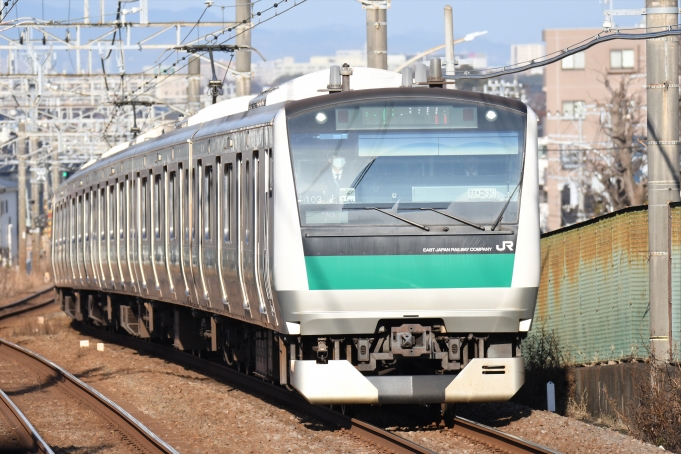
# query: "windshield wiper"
x,y
400,218
501,214
463,221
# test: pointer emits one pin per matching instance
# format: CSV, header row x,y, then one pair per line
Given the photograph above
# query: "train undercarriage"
x,y
420,348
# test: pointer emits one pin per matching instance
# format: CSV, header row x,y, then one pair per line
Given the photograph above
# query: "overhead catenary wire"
x,y
254,15
604,36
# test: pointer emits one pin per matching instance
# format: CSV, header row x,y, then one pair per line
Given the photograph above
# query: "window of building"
x,y
573,109
574,61
622,59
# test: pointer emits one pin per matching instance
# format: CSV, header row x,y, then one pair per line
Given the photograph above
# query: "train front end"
x,y
406,244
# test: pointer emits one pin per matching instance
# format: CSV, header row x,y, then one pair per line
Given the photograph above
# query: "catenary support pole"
x,y
662,64
450,69
21,197
194,84
243,57
54,167
377,33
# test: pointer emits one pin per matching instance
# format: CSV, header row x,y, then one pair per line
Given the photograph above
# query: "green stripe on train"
x,y
409,271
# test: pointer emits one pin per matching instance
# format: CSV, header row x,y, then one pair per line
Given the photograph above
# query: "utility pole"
x,y
377,32
35,212
243,56
193,87
662,65
21,197
450,68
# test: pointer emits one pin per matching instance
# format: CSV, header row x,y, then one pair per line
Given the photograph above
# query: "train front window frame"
x,y
409,156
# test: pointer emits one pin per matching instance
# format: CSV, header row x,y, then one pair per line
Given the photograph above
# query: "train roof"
x,y
298,94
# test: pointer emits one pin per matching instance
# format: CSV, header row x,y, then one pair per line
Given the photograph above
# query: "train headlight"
x,y
321,118
491,115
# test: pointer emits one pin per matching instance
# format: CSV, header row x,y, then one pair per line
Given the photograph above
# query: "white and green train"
x,y
374,245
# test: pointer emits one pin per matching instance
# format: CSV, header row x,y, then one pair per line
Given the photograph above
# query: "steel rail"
x,y
135,431
261,388
500,440
22,427
382,438
23,305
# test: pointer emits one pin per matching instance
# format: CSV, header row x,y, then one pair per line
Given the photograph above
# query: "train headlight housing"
x,y
491,116
320,118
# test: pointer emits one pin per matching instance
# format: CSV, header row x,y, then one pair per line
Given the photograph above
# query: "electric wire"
x,y
610,34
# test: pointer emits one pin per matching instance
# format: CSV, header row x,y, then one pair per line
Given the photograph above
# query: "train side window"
x,y
207,202
157,206
112,213
143,208
195,205
248,202
102,210
226,201
185,204
121,217
86,209
170,200
79,219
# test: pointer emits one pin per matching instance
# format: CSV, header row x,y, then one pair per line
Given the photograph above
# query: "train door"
x,y
112,237
198,234
248,232
79,243
187,227
229,234
138,197
126,240
105,280
211,279
172,239
159,233
93,236
133,263
262,246
121,227
147,233
86,239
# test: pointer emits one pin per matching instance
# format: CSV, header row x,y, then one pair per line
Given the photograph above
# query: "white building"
x,y
521,53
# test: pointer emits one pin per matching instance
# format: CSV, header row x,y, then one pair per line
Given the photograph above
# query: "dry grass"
x,y
53,324
578,410
654,415
14,283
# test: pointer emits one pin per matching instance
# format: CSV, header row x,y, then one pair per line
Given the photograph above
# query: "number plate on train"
x,y
482,193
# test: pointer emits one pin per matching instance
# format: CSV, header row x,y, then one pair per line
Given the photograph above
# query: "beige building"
x,y
575,97
521,53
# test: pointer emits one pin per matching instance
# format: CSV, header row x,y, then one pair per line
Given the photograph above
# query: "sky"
x,y
320,27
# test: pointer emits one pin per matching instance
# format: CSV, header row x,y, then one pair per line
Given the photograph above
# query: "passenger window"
x,y
170,200
226,201
112,213
207,202
143,208
185,204
121,217
157,206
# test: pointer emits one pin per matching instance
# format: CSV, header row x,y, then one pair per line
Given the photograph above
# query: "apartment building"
x,y
576,95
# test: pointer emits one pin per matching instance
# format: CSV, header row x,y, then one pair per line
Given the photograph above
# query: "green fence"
x,y
594,286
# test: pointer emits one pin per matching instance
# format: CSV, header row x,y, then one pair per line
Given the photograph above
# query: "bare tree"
x,y
620,166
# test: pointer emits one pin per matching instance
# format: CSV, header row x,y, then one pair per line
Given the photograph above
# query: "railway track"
x,y
496,439
27,436
35,301
130,428
384,439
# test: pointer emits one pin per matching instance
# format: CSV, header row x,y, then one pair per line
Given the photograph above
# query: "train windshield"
x,y
423,160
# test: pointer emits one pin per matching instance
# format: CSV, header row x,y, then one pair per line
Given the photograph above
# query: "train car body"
x,y
379,245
